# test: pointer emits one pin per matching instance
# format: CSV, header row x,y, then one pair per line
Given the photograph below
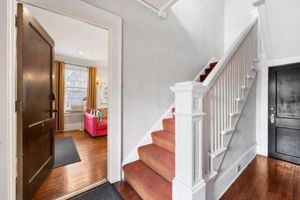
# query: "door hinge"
x,y
16,21
18,106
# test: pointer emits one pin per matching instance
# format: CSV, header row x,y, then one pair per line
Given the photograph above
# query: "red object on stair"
x,y
151,176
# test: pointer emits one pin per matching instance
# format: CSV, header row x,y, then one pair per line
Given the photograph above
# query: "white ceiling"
x,y
72,36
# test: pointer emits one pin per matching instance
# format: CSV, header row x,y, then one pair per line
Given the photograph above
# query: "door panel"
x,y
284,113
35,120
292,138
288,94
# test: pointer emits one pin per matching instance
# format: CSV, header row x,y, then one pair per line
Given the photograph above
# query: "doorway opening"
x,y
85,142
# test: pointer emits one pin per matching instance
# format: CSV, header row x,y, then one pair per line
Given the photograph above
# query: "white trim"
x,y
90,14
82,190
83,12
262,99
227,178
79,61
7,100
283,61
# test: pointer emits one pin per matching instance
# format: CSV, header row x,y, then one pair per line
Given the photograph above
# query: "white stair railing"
x,y
228,87
207,114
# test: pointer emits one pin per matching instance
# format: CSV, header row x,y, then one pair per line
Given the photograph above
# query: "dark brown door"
x,y
35,121
284,113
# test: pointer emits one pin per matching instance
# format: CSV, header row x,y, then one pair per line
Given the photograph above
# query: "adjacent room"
x,y
80,106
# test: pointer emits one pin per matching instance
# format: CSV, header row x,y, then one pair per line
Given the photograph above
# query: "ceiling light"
x,y
80,52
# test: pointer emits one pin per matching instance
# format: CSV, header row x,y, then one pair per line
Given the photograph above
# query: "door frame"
x,y
262,105
83,12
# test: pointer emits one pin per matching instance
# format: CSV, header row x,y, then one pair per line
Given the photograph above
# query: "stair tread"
x,y
146,182
158,159
165,140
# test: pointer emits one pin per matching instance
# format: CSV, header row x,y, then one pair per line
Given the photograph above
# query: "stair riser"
x,y
164,144
165,170
169,125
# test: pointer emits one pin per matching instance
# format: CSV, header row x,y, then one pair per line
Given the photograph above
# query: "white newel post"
x,y
188,183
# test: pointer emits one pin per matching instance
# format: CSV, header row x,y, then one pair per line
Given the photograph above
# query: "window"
x,y
76,82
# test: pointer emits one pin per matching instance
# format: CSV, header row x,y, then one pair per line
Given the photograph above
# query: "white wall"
x,y
160,52
282,23
237,14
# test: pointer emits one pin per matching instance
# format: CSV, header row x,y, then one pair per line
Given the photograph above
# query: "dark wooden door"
x,y
34,103
284,113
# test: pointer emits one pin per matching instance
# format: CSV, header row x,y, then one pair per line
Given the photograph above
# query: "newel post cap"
x,y
189,86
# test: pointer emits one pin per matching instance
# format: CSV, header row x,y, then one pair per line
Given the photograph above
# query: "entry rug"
x,y
65,152
102,192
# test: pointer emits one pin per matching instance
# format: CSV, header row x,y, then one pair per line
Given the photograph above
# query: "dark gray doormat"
x,y
102,192
65,152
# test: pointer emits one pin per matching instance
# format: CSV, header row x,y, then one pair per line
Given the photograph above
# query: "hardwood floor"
x,y
266,179
69,178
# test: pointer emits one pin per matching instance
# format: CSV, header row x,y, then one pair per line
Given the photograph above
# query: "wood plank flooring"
x,y
69,178
266,179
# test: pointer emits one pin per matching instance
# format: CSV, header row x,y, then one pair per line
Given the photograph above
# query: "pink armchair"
x,y
92,127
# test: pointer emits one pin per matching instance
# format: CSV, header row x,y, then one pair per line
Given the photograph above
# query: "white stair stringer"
x,y
218,157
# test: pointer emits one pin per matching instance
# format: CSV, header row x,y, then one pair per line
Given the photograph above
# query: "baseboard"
x,y
227,178
283,61
85,189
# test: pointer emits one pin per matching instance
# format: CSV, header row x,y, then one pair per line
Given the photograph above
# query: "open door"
x,y
34,103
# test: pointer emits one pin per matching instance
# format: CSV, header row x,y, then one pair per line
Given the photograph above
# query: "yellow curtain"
x,y
91,94
60,95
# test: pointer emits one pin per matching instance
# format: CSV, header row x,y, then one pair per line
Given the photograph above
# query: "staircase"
x,y
207,112
151,176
